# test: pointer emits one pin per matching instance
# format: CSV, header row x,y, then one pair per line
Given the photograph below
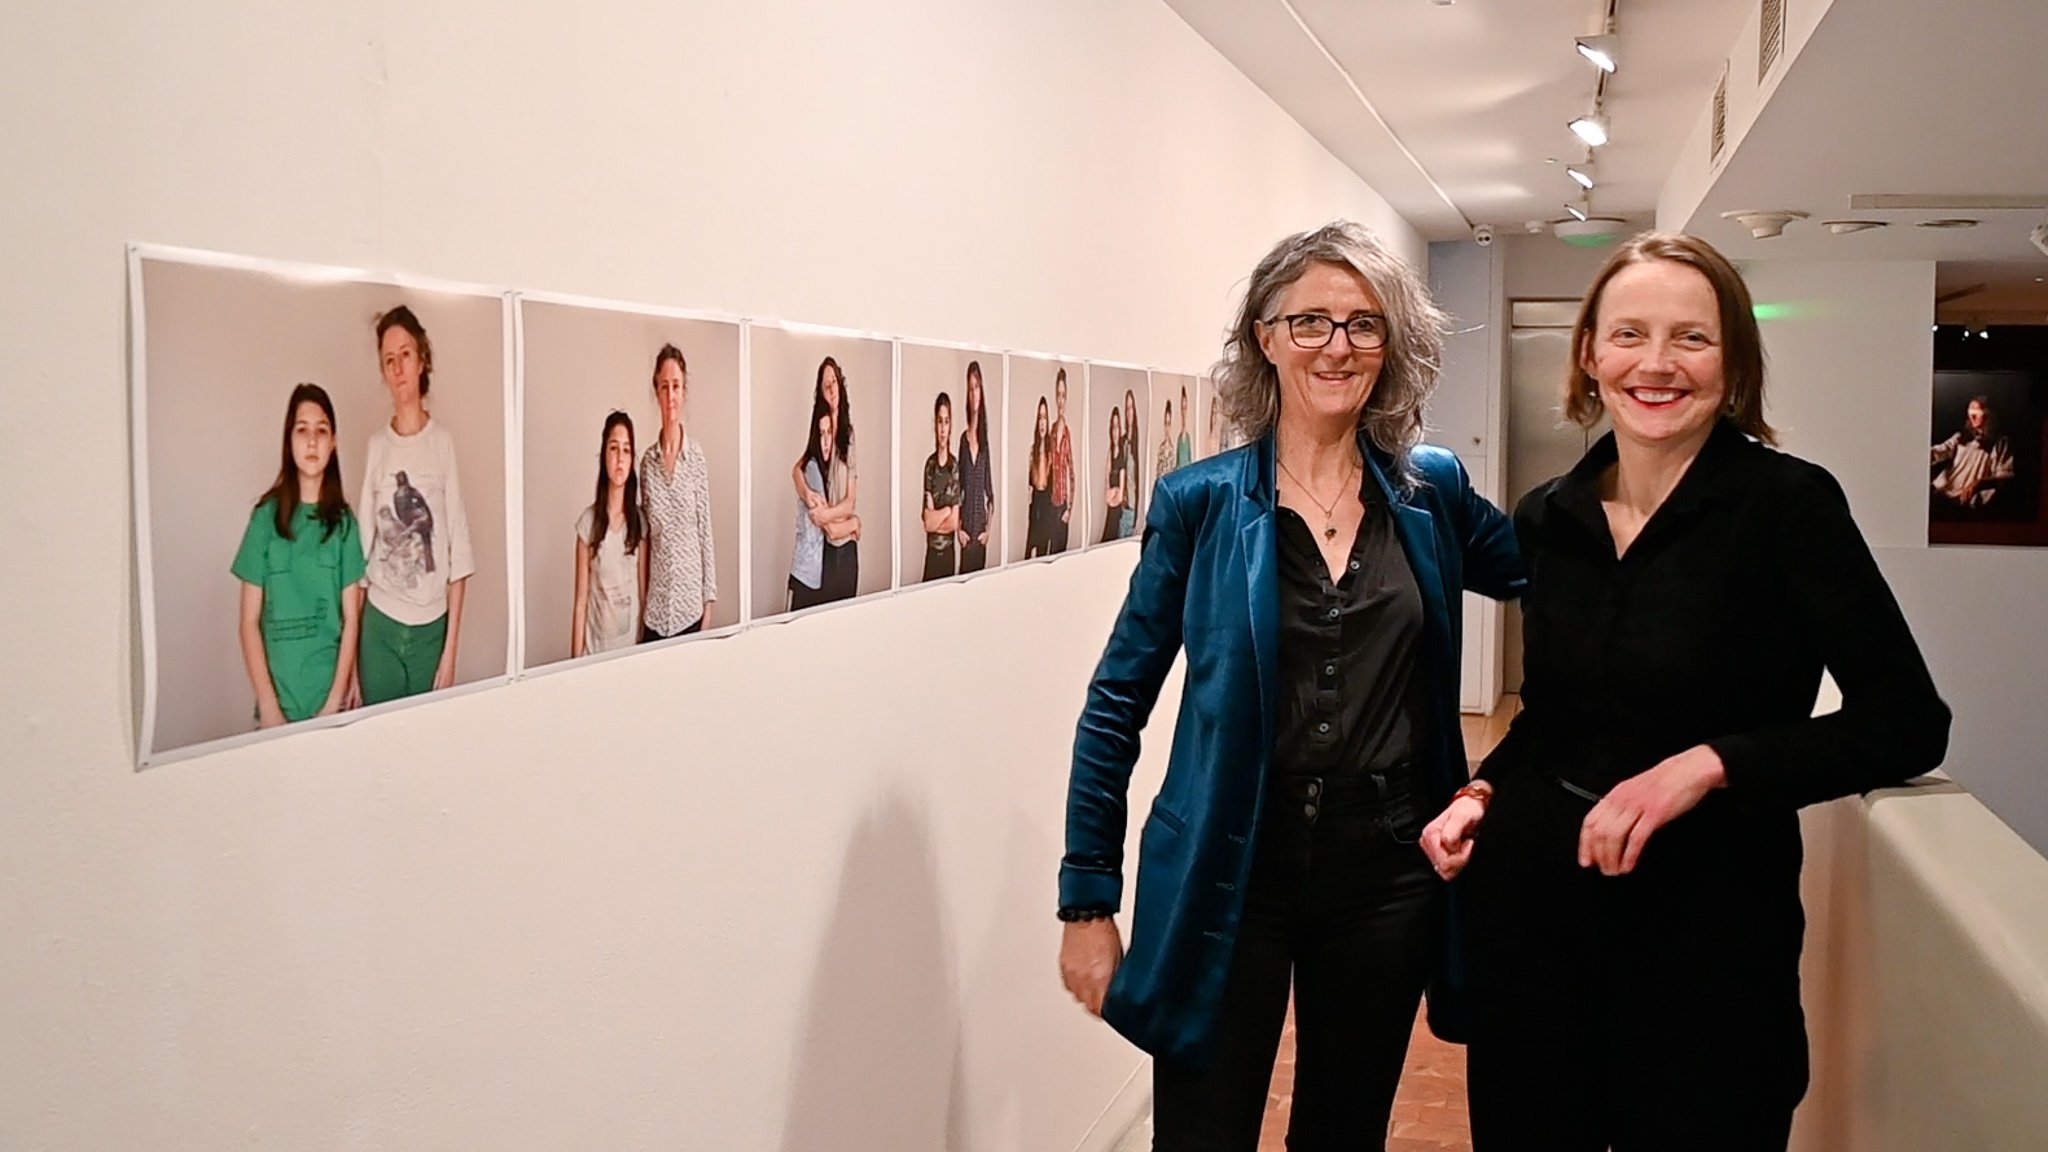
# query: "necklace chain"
x,y
1329,510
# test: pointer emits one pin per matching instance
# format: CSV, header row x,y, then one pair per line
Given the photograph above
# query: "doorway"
x,y
1541,442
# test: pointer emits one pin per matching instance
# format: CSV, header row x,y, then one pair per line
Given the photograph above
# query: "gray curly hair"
x,y
1248,386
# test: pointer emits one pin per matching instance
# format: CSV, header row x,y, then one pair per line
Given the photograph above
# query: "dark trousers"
x,y
1059,531
1039,518
942,561
649,635
842,572
973,557
1342,904
1652,1012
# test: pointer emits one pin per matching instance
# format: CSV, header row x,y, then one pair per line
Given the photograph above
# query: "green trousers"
x,y
398,660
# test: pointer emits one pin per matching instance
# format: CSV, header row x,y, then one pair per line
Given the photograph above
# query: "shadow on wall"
x,y
996,1049
877,1069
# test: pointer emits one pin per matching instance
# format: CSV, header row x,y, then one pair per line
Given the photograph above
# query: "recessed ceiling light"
x,y
1599,50
1948,223
1591,129
1581,176
1846,227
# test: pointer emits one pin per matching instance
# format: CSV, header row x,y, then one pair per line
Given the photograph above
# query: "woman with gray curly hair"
x,y
1313,578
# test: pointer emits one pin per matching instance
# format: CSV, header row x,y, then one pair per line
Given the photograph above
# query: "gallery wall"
x,y
1850,355
790,889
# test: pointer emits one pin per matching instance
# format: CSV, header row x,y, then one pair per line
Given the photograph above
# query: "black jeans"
x,y
973,556
1342,901
649,635
941,562
1652,1012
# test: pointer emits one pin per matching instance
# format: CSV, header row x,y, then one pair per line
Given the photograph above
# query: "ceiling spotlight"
x,y
1846,227
1577,212
1952,222
1581,175
1600,50
1766,223
1591,129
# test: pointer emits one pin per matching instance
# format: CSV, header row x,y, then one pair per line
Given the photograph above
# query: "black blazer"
x,y
1713,629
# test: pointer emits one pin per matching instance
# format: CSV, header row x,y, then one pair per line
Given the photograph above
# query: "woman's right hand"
x,y
1090,950
1447,840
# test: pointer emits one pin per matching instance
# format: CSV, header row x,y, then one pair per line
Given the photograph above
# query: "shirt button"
x,y
1354,565
1329,669
1226,886
1333,613
1323,727
1314,788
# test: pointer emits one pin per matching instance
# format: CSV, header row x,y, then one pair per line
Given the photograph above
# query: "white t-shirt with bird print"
x,y
414,527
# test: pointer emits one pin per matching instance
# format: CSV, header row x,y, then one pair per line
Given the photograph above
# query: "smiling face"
x,y
1978,417
312,440
1335,381
1656,354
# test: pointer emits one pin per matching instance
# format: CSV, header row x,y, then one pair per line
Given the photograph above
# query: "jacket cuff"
x,y
1743,761
1090,891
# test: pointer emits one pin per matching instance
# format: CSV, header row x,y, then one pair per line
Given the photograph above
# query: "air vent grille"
x,y
1718,139
1770,37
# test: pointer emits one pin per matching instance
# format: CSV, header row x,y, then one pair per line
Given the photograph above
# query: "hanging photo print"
x,y
631,430
320,504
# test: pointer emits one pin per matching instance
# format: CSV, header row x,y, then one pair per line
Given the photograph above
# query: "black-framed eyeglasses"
x,y
1367,331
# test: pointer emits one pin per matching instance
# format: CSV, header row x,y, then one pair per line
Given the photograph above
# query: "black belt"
x,y
1366,789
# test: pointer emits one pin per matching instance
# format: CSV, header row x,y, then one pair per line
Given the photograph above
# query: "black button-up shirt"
x,y
1347,672
1713,629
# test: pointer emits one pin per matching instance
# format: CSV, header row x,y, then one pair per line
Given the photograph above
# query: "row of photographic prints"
x,y
355,491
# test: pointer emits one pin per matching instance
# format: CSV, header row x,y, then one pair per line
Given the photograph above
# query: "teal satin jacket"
x,y
1207,581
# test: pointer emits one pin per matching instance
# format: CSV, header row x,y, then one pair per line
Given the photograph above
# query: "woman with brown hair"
x,y
1631,850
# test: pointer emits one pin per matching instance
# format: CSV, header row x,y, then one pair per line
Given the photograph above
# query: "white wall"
x,y
1850,362
1468,415
731,895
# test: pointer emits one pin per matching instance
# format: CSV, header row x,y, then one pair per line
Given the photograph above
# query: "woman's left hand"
x,y
444,674
1615,831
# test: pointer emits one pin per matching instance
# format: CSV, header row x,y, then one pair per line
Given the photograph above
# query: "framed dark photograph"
x,y
1990,428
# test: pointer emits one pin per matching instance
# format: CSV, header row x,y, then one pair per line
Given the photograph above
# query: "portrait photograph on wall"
x,y
1174,438
1210,418
1988,438
823,465
631,473
1046,513
320,493
949,485
1118,396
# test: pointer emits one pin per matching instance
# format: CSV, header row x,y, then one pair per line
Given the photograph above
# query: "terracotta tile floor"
x,y
1429,1108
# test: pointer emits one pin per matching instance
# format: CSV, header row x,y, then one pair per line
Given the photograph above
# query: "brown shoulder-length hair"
x,y
1742,345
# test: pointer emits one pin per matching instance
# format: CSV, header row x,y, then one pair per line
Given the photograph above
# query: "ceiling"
x,y
1943,101
1459,110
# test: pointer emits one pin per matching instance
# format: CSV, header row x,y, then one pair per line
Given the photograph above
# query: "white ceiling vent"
x,y
1718,138
1770,37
